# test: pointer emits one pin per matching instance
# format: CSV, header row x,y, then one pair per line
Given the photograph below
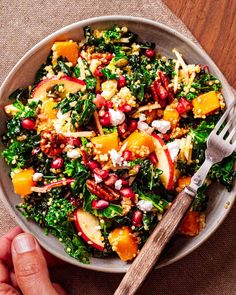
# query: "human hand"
x,y
23,266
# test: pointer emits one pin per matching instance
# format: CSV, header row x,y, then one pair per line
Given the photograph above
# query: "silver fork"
x,y
220,144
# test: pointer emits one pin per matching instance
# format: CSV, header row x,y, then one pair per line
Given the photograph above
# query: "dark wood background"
x,y
213,23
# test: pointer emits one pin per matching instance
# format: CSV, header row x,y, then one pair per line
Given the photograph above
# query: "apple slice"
x,y
165,162
71,85
88,227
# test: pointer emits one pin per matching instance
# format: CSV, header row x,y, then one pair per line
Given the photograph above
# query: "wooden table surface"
x,y
213,23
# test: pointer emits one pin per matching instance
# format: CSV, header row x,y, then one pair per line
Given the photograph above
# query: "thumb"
x,y
30,266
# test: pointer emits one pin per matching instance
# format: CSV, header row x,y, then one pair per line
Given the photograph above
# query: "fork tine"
x,y
227,126
231,135
222,119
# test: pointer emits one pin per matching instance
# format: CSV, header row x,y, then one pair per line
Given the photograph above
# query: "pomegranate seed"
x,y
206,69
111,179
97,72
76,202
127,155
153,158
125,182
127,192
101,173
108,104
93,164
28,124
73,141
35,151
121,82
100,204
57,163
125,108
149,53
122,128
137,218
99,101
105,120
133,124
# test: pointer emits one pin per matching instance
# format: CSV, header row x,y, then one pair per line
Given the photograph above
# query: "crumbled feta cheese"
x,y
117,117
115,158
37,176
97,178
63,122
73,154
173,148
142,117
142,126
161,125
118,184
144,205
63,116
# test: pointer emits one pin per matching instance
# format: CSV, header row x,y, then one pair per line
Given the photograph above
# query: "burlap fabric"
x,y
211,269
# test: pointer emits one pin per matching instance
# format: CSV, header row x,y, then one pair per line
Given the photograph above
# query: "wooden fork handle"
x,y
152,249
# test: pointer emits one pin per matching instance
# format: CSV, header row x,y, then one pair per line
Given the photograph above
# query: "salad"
x,y
106,137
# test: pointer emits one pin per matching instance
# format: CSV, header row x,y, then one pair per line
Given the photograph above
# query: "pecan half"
x,y
102,191
52,143
150,116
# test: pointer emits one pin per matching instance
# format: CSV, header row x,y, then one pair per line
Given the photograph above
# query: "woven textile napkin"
x,y
211,269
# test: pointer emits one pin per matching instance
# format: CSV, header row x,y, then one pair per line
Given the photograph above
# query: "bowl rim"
x,y
82,23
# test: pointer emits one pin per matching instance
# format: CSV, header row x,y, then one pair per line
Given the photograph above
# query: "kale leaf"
x,y
200,201
156,200
82,109
148,177
112,34
61,66
21,94
17,153
224,172
64,230
74,168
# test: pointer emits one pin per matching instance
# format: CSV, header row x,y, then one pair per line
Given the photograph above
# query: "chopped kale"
x,y
81,107
201,199
61,66
108,74
157,201
148,177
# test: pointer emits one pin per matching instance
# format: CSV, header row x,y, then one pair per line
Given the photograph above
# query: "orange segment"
x,y
183,182
172,116
205,104
66,49
191,224
140,143
48,109
23,182
105,143
123,243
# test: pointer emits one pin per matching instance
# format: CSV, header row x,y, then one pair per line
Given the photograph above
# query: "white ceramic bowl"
x,y
23,74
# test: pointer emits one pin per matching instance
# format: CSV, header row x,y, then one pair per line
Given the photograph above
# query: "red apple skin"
x,y
54,82
170,180
83,235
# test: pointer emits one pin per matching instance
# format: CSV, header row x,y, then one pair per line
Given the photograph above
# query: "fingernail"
x,y
24,243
